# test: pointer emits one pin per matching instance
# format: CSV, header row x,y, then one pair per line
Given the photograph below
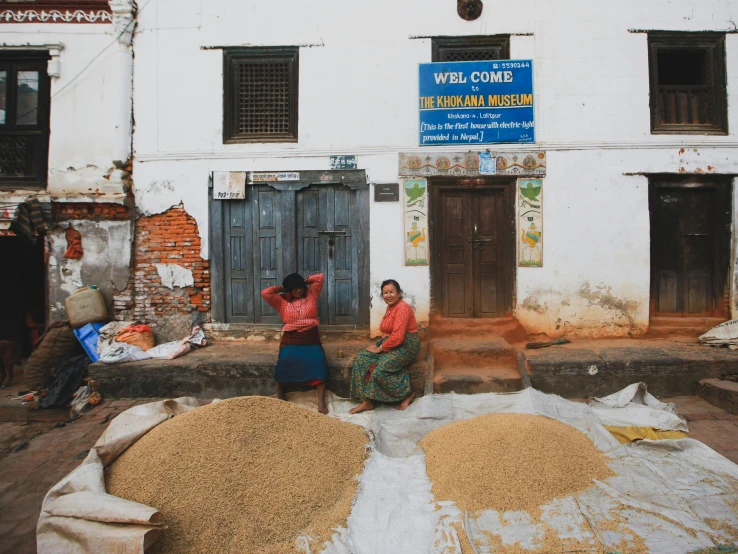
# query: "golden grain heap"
x,y
510,462
243,475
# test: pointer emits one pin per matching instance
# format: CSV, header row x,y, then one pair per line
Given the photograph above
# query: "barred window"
x,y
688,92
471,49
24,119
260,95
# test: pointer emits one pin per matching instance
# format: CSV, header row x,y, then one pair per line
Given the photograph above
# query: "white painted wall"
x,y
358,95
84,103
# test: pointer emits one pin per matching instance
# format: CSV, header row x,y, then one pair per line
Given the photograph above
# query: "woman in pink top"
x,y
380,373
301,355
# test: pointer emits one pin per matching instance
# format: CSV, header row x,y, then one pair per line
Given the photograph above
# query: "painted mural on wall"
x,y
415,201
467,164
530,222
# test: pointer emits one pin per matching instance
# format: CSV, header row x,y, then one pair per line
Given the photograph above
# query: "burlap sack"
x,y
59,343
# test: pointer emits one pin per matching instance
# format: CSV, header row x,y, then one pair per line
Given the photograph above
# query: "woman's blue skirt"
x,y
300,363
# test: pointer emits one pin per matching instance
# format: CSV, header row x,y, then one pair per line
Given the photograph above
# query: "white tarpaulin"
x,y
671,496
635,403
725,334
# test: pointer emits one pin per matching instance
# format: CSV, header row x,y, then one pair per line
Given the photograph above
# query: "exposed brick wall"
x,y
168,238
93,211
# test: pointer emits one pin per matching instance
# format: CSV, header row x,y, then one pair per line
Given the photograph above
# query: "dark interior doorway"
x,y
473,230
690,247
23,282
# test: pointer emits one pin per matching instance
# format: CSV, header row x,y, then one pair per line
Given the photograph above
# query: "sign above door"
x,y
480,102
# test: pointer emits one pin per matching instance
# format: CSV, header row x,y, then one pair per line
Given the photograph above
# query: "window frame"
x,y
232,59
12,62
714,45
443,45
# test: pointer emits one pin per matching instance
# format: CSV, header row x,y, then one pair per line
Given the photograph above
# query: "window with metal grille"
x,y
688,92
470,49
24,119
260,95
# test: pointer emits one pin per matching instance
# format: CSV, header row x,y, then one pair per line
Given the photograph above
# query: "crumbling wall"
x,y
169,288
107,233
587,312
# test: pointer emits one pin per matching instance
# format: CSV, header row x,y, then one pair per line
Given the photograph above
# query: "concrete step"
x,y
665,327
230,369
501,377
723,394
258,333
508,328
474,365
471,351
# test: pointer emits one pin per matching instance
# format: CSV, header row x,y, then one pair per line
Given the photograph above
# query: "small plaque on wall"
x,y
387,192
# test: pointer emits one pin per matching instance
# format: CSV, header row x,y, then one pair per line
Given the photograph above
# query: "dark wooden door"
x,y
327,243
473,242
688,233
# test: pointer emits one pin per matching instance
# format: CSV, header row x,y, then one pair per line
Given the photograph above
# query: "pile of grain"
x,y
510,462
243,475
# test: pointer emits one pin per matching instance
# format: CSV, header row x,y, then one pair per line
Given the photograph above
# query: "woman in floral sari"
x,y
380,373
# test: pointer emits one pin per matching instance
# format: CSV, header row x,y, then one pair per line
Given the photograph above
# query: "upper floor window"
x,y
24,119
471,49
688,92
260,95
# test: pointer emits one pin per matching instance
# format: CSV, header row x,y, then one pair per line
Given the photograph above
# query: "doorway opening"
x,y
473,259
690,247
24,286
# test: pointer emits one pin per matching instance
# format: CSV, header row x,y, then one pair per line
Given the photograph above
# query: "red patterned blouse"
x,y
397,321
301,314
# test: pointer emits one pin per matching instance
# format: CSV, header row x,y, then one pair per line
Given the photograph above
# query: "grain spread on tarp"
x,y
510,462
247,474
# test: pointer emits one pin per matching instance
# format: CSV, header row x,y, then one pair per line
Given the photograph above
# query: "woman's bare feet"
x,y
366,405
405,403
280,392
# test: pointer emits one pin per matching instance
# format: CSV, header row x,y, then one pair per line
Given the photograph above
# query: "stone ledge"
x,y
723,394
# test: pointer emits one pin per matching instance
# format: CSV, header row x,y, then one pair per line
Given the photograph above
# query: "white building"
x,y
65,141
634,109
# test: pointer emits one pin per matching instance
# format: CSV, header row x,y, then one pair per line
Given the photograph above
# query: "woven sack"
x,y
59,343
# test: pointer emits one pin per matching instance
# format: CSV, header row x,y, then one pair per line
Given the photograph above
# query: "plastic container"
x,y
87,305
88,336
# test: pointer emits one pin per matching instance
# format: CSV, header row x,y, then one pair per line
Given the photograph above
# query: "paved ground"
x,y
51,453
27,474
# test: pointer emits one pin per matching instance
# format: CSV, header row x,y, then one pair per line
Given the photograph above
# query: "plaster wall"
x,y
358,95
84,102
107,247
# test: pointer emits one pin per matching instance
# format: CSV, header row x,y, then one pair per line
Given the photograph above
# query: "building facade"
x,y
270,141
65,143
637,172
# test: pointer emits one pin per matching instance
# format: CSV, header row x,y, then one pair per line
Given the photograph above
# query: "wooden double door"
x,y
473,230
272,233
690,248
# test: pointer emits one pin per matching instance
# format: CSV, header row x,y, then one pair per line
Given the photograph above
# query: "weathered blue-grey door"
x,y
239,306
327,226
309,227
267,260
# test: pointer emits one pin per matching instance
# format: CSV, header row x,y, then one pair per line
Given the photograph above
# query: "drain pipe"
x,y
124,25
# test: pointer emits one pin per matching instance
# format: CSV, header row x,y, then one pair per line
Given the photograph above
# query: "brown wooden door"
x,y
473,253
689,233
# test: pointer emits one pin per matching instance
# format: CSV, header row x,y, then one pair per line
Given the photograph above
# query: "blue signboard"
x,y
476,102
